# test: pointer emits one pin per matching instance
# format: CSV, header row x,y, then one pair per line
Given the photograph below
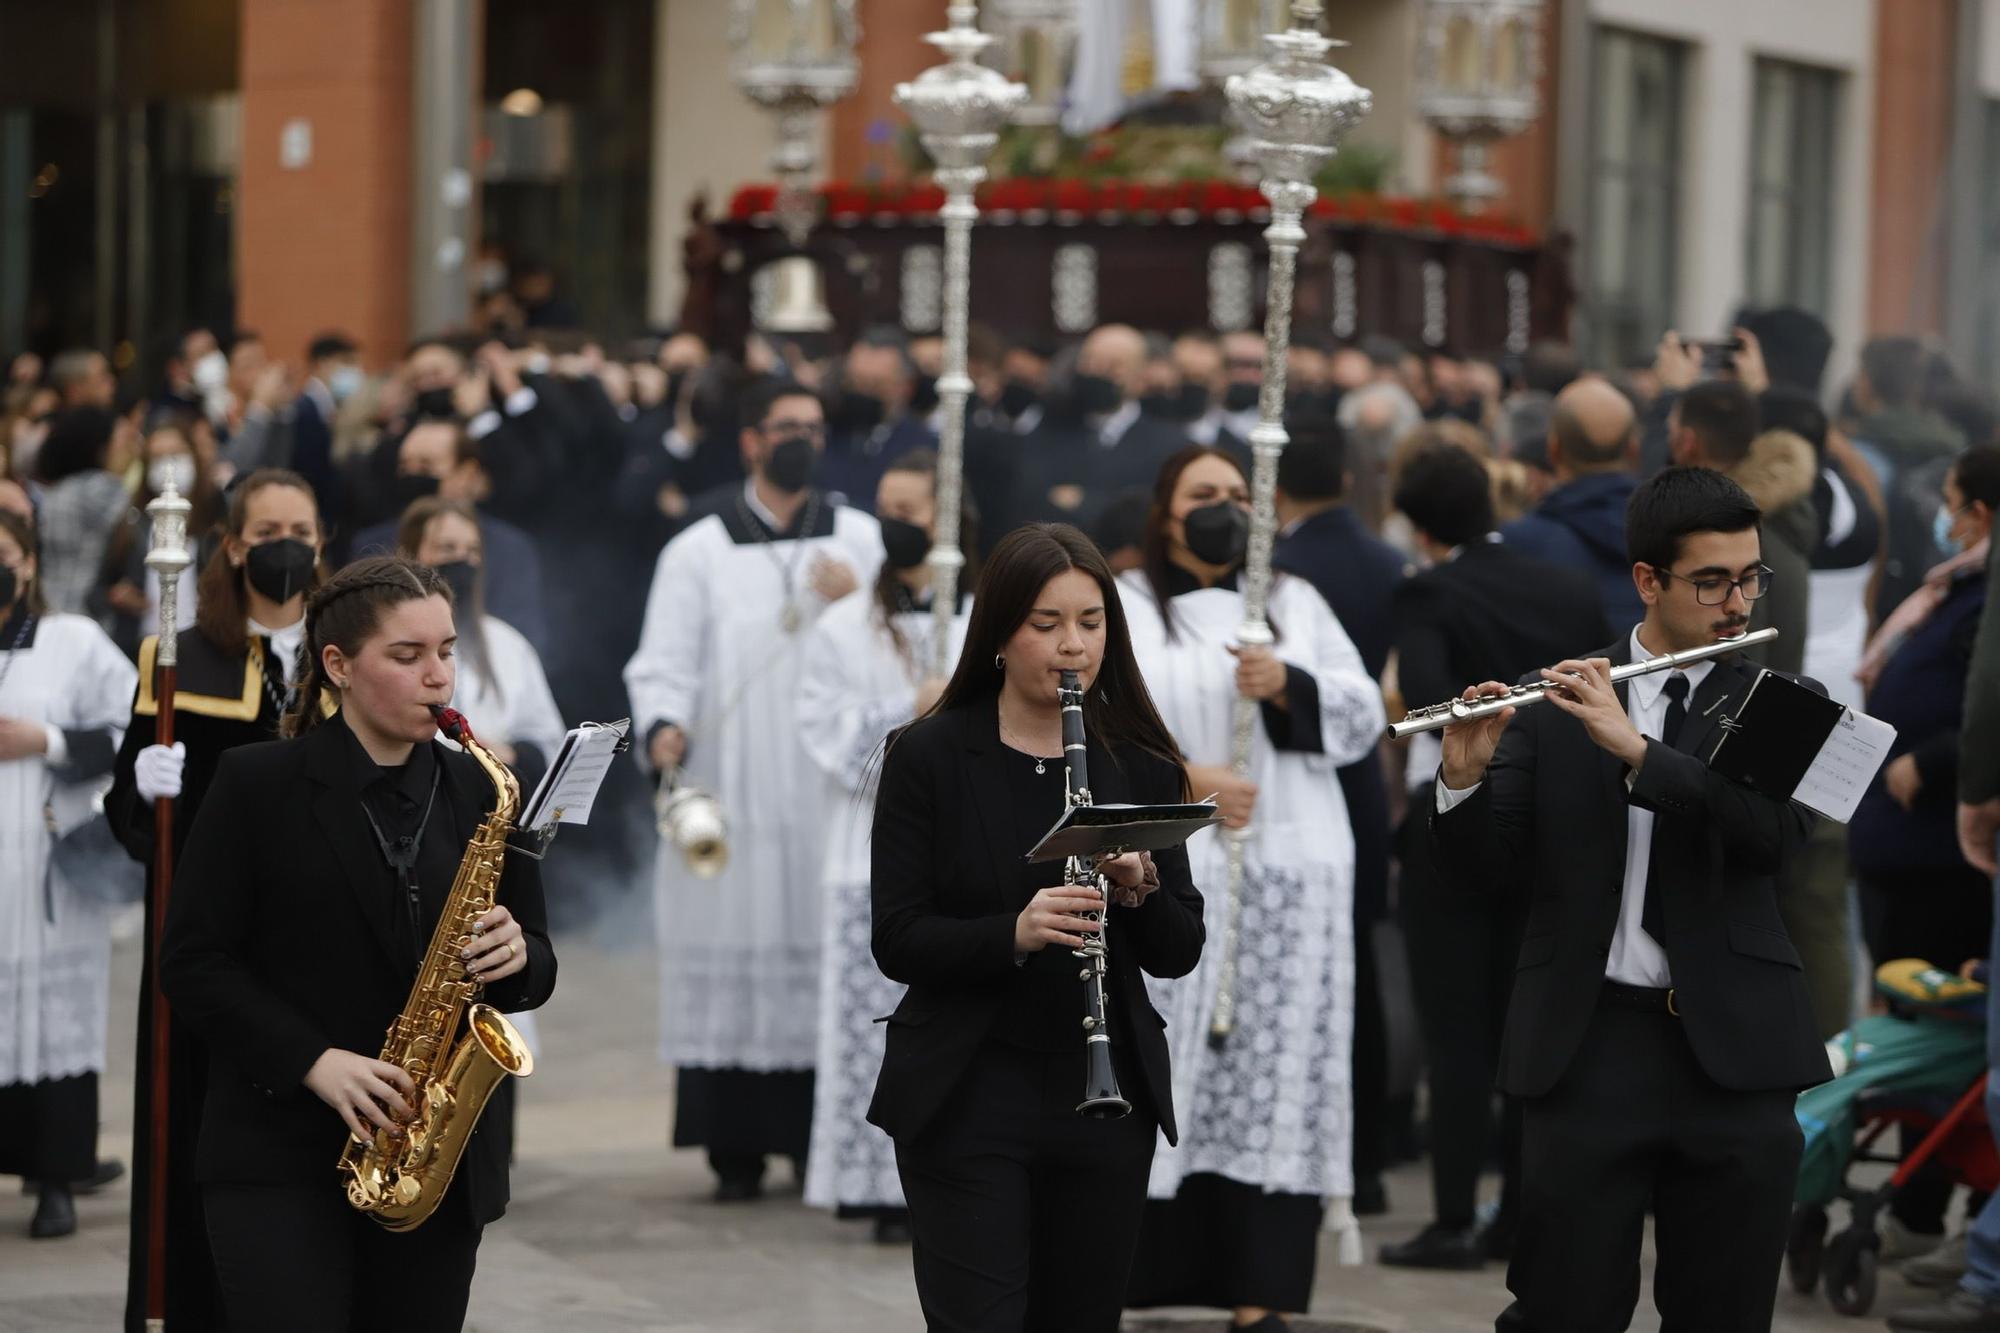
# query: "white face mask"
x,y
211,372
175,468
344,383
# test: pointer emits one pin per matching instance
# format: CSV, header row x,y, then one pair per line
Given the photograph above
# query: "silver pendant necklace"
x,y
793,617
1041,764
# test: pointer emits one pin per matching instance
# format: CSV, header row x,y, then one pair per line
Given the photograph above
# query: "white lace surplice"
x,y
53,972
854,689
739,954
1273,1108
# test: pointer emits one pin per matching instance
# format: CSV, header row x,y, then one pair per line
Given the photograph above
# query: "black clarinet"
x,y
1101,1098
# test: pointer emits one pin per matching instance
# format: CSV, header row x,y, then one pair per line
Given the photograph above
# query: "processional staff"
x,y
168,559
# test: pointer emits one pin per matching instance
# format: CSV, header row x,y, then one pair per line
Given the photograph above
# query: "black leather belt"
x,y
1651,999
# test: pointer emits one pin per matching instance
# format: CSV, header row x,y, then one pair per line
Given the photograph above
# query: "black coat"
x,y
1494,613
1549,821
281,942
945,911
1357,572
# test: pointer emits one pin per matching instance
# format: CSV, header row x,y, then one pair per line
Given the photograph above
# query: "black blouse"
x,y
1043,1010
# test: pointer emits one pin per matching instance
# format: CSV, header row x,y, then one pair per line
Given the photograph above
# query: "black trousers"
x,y
48,1130
1462,949
1025,1214
1635,1124
298,1259
741,1115
1223,1244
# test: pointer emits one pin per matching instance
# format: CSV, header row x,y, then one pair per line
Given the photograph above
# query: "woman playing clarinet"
x,y
1024,1213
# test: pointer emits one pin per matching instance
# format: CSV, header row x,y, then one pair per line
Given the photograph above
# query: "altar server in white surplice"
x,y
1266,1118
868,670
65,692
713,688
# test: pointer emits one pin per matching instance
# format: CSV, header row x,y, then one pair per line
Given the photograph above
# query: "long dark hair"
x,y
222,596
1155,559
1117,710
344,611
889,588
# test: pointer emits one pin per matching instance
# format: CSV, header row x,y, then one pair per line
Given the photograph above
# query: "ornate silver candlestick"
x,y
1296,108
1477,66
795,65
959,107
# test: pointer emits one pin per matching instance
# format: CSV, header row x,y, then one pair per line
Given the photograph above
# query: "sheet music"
x,y
569,788
1845,765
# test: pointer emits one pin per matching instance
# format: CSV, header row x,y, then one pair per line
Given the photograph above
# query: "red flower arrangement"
x,y
848,204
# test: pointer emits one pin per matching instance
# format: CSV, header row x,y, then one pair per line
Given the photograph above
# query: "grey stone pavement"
x,y
612,1231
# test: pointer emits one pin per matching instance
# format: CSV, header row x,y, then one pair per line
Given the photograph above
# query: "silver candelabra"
x,y
959,107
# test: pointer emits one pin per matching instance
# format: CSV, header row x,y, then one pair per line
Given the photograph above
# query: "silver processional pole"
x,y
1295,108
959,107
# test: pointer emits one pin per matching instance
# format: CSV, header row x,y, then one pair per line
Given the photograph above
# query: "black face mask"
x,y
280,569
1160,406
676,381
10,588
1217,534
1240,397
1097,396
924,399
436,404
791,464
461,576
904,545
1017,396
410,487
1191,404
858,412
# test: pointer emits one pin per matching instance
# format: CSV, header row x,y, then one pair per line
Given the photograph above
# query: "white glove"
x,y
157,770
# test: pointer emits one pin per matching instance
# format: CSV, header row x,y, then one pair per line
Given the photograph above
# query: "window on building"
x,y
1789,237
1635,194
1988,296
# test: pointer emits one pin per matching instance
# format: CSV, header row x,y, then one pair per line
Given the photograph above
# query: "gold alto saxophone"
x,y
400,1181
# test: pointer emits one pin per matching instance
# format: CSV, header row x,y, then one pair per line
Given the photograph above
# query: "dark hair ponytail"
x,y
343,612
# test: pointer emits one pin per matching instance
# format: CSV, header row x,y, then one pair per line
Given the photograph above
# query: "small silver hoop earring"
x,y
999,662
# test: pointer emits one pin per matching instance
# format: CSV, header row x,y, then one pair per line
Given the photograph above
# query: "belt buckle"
x,y
1670,1003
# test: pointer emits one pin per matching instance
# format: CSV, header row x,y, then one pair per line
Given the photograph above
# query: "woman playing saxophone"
x,y
305,903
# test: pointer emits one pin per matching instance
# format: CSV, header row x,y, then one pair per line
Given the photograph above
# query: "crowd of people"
x,y
731,549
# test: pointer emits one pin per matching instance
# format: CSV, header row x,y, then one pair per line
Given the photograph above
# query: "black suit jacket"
x,y
1071,453
944,911
1491,614
281,942
1549,819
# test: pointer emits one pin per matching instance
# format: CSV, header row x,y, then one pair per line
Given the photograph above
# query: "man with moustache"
x,y
1659,1028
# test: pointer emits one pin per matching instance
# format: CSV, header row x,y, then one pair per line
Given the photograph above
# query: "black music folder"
x,y
1796,744
1112,830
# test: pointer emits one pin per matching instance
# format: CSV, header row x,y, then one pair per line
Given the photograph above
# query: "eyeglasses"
x,y
779,432
1715,591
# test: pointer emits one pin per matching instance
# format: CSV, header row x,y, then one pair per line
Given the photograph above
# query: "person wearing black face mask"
x,y
873,418
63,687
719,658
500,676
236,670
1241,1230
1075,460
1240,379
867,670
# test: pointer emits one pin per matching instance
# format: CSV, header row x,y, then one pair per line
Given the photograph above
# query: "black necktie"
x,y
1670,733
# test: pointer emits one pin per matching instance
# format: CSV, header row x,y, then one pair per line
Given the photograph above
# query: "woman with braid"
x,y
347,834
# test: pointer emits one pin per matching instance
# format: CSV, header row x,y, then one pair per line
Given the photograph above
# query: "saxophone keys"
x,y
408,1190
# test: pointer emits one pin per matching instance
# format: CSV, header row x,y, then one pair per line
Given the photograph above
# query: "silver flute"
x,y
1454,711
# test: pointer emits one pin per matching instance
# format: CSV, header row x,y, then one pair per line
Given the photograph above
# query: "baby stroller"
x,y
1921,1067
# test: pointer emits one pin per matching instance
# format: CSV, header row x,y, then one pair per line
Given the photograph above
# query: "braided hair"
x,y
343,612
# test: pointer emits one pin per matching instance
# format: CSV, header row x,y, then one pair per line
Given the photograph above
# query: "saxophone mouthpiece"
x,y
451,722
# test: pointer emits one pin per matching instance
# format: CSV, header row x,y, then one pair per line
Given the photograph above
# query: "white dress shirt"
x,y
1636,958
